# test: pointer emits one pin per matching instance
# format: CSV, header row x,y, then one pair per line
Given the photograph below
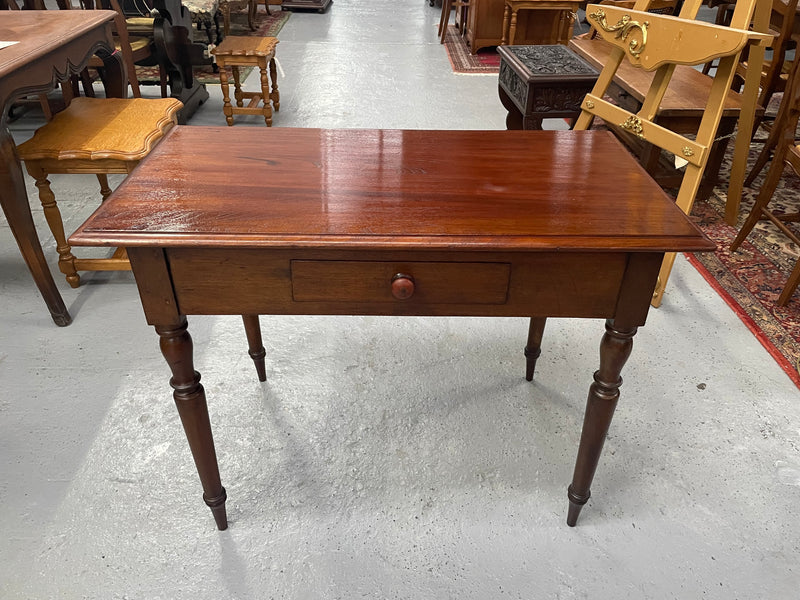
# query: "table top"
x,y
554,61
39,32
391,189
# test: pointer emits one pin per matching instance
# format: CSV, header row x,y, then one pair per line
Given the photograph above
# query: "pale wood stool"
x,y
98,136
240,51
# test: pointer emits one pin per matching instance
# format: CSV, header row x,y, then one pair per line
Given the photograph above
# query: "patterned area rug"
x,y
751,279
485,62
266,25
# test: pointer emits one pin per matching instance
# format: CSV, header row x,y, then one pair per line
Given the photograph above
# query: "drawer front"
x,y
408,282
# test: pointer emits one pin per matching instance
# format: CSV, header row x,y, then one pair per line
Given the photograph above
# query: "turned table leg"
x,y
252,329
190,398
615,348
534,346
506,20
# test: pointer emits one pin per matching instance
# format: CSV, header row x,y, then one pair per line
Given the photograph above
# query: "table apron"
x,y
191,281
63,62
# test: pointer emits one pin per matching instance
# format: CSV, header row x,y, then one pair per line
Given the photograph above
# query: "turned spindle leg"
x,y
252,329
534,347
190,398
265,96
66,260
615,348
274,95
237,87
227,108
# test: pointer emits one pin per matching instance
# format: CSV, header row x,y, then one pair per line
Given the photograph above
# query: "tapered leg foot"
x,y
217,506
576,503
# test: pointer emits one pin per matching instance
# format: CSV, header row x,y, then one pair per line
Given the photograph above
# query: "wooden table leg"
x,y
252,329
514,116
14,200
615,348
506,21
534,346
190,398
512,29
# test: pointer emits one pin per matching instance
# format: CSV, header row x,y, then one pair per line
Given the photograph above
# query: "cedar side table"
x,y
364,222
542,82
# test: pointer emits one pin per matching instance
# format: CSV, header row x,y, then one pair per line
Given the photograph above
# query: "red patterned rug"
x,y
485,62
751,279
266,25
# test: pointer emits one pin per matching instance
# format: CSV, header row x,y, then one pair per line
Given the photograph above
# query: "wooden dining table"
x,y
50,46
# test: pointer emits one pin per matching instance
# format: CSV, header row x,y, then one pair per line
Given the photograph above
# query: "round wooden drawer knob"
x,y
402,286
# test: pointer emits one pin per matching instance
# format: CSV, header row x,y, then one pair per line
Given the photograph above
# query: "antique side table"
x,y
391,222
542,82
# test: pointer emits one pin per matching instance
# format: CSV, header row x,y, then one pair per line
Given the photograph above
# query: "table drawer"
x,y
412,282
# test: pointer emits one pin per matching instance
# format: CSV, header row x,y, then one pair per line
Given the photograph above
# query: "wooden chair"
x,y
98,136
225,7
775,71
659,44
775,129
447,7
135,49
787,153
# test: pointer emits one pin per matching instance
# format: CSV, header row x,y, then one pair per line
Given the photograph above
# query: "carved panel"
x,y
551,60
551,99
514,86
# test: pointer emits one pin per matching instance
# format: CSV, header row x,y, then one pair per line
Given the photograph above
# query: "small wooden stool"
x,y
98,136
239,51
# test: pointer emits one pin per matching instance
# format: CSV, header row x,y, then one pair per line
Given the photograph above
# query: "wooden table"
x,y
373,222
53,45
561,30
484,25
542,82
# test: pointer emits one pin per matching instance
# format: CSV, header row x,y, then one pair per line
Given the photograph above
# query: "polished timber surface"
x,y
356,188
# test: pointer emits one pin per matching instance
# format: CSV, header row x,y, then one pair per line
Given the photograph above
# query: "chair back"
x,y
122,37
774,72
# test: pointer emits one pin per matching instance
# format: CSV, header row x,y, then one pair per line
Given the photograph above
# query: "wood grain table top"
x,y
40,32
391,189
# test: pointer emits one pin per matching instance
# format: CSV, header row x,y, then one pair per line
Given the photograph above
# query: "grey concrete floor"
x,y
385,457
